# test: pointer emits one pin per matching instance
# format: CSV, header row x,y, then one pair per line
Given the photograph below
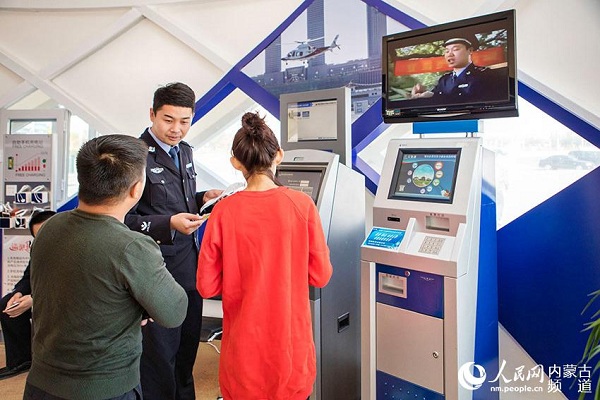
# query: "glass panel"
x,y
79,134
536,157
31,127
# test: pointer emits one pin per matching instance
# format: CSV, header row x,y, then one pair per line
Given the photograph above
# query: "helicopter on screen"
x,y
305,51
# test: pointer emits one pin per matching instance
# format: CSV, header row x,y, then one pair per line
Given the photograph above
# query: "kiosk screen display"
x,y
305,180
425,175
312,120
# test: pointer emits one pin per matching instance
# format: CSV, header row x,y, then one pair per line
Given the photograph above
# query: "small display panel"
x,y
312,120
305,180
425,175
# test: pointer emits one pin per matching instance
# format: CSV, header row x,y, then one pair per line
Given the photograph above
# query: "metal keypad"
x,y
432,245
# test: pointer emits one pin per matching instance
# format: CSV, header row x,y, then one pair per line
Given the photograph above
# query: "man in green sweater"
x,y
92,279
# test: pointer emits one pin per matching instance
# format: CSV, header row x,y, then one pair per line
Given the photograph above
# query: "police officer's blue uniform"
x,y
473,84
168,354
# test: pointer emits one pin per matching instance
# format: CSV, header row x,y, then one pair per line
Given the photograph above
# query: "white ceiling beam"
x,y
67,61
85,49
20,91
12,63
180,34
64,5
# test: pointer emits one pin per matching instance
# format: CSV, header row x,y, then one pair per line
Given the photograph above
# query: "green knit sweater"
x,y
91,279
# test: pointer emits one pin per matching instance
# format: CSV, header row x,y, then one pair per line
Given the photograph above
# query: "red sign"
x,y
482,58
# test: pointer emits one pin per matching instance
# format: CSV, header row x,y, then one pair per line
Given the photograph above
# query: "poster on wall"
x,y
15,257
27,171
27,179
324,49
27,158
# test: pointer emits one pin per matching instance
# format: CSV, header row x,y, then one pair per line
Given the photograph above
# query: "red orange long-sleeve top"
x,y
261,251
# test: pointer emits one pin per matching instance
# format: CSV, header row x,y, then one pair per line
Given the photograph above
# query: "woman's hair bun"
x,y
252,121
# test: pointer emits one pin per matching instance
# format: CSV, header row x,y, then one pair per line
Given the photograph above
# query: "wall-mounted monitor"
x,y
460,70
305,178
314,120
318,120
425,175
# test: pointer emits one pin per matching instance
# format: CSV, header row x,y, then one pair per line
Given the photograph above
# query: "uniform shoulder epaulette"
x,y
480,69
186,144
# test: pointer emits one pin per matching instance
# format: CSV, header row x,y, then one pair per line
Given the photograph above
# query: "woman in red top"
x,y
261,250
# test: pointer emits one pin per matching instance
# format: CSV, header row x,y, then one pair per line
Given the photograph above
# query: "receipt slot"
x,y
339,194
428,274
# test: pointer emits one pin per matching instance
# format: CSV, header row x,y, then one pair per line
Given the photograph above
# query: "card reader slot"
x,y
392,288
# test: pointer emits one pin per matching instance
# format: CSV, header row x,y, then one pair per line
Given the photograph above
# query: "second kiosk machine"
x,y
428,274
315,136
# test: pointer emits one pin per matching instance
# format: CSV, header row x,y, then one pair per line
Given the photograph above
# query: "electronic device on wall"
x,y
418,82
319,120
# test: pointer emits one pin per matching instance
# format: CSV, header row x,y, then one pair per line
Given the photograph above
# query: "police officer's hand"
x,y
186,223
211,194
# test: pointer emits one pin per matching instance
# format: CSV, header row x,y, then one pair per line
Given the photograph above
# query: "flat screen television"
x,y
425,175
307,179
459,70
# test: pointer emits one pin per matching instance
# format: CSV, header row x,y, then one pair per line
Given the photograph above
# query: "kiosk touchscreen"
x,y
338,192
428,270
307,179
425,175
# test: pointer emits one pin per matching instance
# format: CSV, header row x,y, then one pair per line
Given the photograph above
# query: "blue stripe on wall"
x,y
549,261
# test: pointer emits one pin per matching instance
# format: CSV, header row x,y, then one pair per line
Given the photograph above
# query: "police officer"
x,y
466,82
168,212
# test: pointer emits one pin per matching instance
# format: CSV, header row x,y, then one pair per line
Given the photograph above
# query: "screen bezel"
x,y
415,111
398,165
320,168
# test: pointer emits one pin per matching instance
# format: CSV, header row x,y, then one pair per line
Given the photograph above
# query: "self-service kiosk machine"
x,y
338,192
315,130
428,274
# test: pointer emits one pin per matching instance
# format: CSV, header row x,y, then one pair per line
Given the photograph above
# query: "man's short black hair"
x,y
38,217
108,166
174,94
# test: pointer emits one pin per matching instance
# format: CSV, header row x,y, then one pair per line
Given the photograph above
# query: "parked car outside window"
x,y
587,155
564,162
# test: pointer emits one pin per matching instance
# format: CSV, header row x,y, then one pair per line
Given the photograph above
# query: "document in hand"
x,y
228,191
